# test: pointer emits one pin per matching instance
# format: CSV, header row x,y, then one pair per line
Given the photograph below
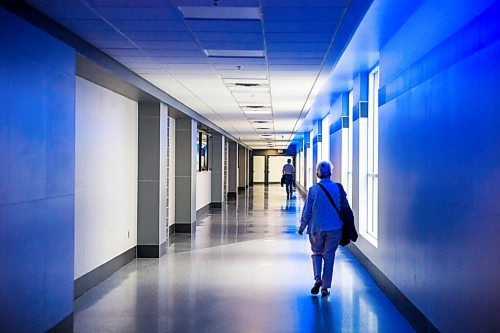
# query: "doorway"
x,y
259,166
276,167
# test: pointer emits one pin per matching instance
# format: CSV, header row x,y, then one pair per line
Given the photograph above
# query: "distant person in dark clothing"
x,y
288,173
324,225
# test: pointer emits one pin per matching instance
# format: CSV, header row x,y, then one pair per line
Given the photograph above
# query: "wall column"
x,y
185,175
242,168
151,221
232,165
247,168
218,142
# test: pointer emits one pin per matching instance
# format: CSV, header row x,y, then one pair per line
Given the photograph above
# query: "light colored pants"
x,y
323,245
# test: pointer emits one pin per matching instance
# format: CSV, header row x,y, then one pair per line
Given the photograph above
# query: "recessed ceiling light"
x,y
263,128
257,111
248,84
220,12
254,106
235,53
246,80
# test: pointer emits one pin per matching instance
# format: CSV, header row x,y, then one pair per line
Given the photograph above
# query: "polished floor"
x,y
245,270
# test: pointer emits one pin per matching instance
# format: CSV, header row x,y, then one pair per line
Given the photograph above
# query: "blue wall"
x,y
37,79
439,148
439,170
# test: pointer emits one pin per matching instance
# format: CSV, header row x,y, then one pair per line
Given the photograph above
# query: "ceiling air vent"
x,y
248,85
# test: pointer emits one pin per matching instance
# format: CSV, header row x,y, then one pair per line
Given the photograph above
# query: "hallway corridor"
x,y
245,270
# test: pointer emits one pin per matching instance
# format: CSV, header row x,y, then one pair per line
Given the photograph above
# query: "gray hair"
x,y
324,169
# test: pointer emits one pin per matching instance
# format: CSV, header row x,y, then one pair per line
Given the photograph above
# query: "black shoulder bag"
x,y
346,239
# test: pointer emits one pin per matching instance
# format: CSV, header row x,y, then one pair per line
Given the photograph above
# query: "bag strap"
x,y
331,199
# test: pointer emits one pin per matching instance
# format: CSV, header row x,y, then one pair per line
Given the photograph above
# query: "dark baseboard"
x,y
216,205
64,326
151,251
185,228
171,229
232,195
101,273
414,316
241,189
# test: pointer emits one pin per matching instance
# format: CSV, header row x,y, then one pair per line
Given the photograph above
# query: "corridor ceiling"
x,y
252,67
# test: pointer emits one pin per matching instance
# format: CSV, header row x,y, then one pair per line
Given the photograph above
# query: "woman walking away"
x,y
326,202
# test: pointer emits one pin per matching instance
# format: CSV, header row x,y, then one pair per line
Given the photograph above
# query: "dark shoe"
x,y
315,288
324,292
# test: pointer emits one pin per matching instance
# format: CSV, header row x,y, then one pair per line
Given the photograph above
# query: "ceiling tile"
x,y
250,37
296,54
149,25
302,47
128,3
300,26
234,3
305,3
138,13
277,37
168,45
303,14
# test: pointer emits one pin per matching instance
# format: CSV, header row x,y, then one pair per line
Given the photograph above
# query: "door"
x,y
259,169
276,167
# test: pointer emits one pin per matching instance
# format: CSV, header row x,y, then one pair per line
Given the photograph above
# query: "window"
x,y
203,145
368,163
347,150
309,161
325,138
372,170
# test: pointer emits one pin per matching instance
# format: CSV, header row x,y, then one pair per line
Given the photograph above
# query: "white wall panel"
x,y
106,176
203,189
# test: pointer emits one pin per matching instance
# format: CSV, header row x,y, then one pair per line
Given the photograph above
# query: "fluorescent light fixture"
x,y
242,90
246,80
254,105
220,13
248,87
235,53
257,111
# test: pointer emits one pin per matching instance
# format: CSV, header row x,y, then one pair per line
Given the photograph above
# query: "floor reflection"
x,y
244,270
